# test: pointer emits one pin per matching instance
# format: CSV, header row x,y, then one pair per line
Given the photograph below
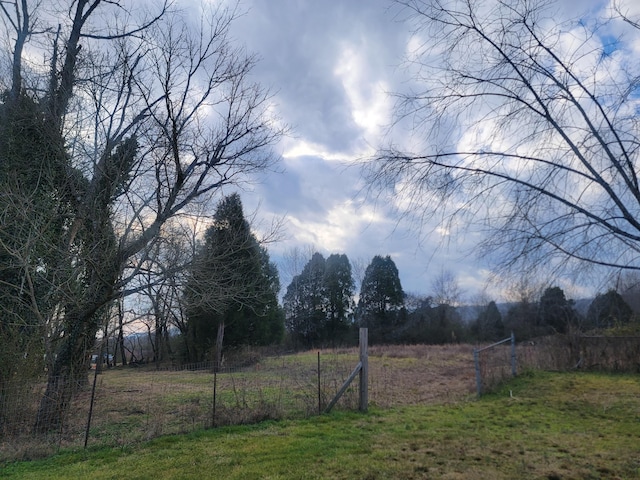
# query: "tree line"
x,y
318,308
189,320
321,307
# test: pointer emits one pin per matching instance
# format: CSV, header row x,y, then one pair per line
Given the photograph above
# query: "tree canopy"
x,y
318,303
489,325
232,288
524,125
608,310
555,311
381,302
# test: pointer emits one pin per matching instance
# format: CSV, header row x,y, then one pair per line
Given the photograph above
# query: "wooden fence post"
x,y
364,370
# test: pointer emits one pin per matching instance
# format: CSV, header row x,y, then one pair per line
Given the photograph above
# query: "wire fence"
x,y
133,404
582,352
494,364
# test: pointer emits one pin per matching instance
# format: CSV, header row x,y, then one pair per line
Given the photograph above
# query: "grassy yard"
x,y
542,425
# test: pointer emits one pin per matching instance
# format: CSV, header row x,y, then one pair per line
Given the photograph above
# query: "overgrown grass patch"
x,y
542,425
137,403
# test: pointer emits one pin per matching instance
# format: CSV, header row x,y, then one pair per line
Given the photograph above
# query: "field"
x,y
542,425
138,404
424,421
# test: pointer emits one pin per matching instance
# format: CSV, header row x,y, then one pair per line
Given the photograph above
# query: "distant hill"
x,y
469,313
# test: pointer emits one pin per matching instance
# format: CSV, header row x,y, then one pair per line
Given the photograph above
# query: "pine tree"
x,y
555,311
339,285
319,301
608,310
381,303
489,325
232,289
305,303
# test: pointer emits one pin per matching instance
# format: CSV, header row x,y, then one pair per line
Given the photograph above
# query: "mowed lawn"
x,y
542,425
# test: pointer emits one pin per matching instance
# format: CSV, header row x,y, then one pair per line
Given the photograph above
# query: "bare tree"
x,y
145,117
161,284
358,267
293,261
445,289
525,126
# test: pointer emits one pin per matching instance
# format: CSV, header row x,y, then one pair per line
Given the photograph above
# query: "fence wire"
x,y
558,353
133,404
493,366
136,404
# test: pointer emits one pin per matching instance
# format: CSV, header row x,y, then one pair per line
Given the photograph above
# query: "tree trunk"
x,y
120,342
218,351
68,372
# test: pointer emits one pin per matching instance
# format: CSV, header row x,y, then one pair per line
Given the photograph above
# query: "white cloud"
x,y
331,65
336,232
298,148
368,96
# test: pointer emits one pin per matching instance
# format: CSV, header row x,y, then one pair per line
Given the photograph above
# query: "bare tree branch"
x,y
525,127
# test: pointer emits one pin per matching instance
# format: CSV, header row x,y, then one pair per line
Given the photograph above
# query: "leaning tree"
x,y
524,125
136,115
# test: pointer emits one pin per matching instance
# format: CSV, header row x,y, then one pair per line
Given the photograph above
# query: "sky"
x,y
333,66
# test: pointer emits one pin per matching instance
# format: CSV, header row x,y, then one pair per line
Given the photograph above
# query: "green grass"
x,y
542,425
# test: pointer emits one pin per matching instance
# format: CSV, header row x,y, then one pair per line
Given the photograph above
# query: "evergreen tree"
x,y
555,311
608,310
522,318
270,329
339,285
305,303
489,324
381,303
319,301
232,289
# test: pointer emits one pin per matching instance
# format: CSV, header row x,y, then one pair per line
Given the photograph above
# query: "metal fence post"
x,y
215,399
513,355
93,392
319,390
476,361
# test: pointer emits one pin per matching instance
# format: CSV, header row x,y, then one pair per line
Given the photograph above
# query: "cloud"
x,y
318,201
331,66
320,57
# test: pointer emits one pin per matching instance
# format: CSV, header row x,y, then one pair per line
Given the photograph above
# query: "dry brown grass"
x,y
136,404
418,374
